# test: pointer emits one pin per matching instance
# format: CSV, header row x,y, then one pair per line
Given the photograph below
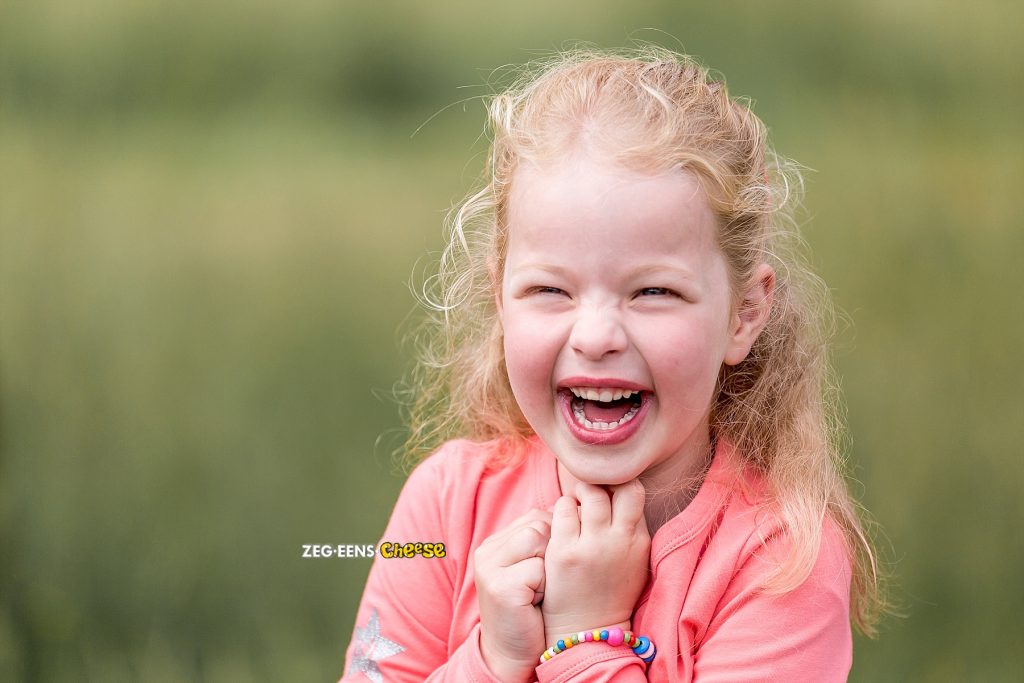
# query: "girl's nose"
x,y
597,333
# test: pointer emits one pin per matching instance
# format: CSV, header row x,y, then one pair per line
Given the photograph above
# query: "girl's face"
x,y
617,317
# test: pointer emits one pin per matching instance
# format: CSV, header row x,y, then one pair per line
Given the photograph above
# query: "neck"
x,y
672,486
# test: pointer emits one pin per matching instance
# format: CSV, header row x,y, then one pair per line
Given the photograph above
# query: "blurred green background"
x,y
209,215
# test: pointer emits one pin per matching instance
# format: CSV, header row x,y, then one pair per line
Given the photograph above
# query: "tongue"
x,y
596,411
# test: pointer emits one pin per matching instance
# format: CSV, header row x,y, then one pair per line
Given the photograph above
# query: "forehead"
x,y
582,203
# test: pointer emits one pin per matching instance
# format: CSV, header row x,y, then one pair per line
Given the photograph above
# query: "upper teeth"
x,y
603,394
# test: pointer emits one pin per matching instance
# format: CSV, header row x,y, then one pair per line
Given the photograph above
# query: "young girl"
x,y
647,487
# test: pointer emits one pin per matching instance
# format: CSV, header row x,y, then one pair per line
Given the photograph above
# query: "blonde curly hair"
x,y
652,109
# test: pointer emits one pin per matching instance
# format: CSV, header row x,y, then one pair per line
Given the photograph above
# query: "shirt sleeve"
x,y
802,635
405,615
593,663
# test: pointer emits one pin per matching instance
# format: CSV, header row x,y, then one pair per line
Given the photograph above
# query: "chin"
x,y
598,474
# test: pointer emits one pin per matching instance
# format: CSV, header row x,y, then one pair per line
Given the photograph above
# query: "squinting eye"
x,y
546,290
654,291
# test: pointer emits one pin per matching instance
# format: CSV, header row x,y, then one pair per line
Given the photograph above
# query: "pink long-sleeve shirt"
x,y
703,605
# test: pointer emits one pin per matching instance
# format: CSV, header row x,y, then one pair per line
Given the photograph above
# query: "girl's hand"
x,y
596,565
510,584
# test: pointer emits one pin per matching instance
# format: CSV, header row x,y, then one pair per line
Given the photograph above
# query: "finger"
x,y
523,543
538,591
531,573
540,522
542,516
544,529
595,506
531,516
528,573
528,519
565,520
628,504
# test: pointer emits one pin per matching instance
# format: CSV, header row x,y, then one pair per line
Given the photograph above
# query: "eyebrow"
x,y
554,270
659,269
640,271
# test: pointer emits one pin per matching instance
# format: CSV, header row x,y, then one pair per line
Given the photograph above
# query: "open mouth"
x,y
603,415
604,409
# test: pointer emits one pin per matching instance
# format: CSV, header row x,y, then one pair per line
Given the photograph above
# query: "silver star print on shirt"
x,y
371,647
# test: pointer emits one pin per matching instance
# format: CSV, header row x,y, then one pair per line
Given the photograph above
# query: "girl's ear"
x,y
751,315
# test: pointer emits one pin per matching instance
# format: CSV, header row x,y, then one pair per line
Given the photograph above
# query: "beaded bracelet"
x,y
641,645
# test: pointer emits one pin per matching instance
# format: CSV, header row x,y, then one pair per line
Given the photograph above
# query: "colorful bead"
x,y
615,636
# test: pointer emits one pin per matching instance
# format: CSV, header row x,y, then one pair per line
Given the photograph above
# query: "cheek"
x,y
529,355
685,354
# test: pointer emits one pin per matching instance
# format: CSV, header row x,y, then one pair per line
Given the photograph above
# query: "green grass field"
x,y
209,218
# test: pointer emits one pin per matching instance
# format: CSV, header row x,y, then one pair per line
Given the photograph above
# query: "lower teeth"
x,y
581,419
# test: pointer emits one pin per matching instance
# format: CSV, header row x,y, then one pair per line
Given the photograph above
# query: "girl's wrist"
x,y
504,668
551,636
614,636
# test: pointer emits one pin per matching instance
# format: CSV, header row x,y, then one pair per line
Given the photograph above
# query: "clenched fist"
x,y
510,584
596,564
